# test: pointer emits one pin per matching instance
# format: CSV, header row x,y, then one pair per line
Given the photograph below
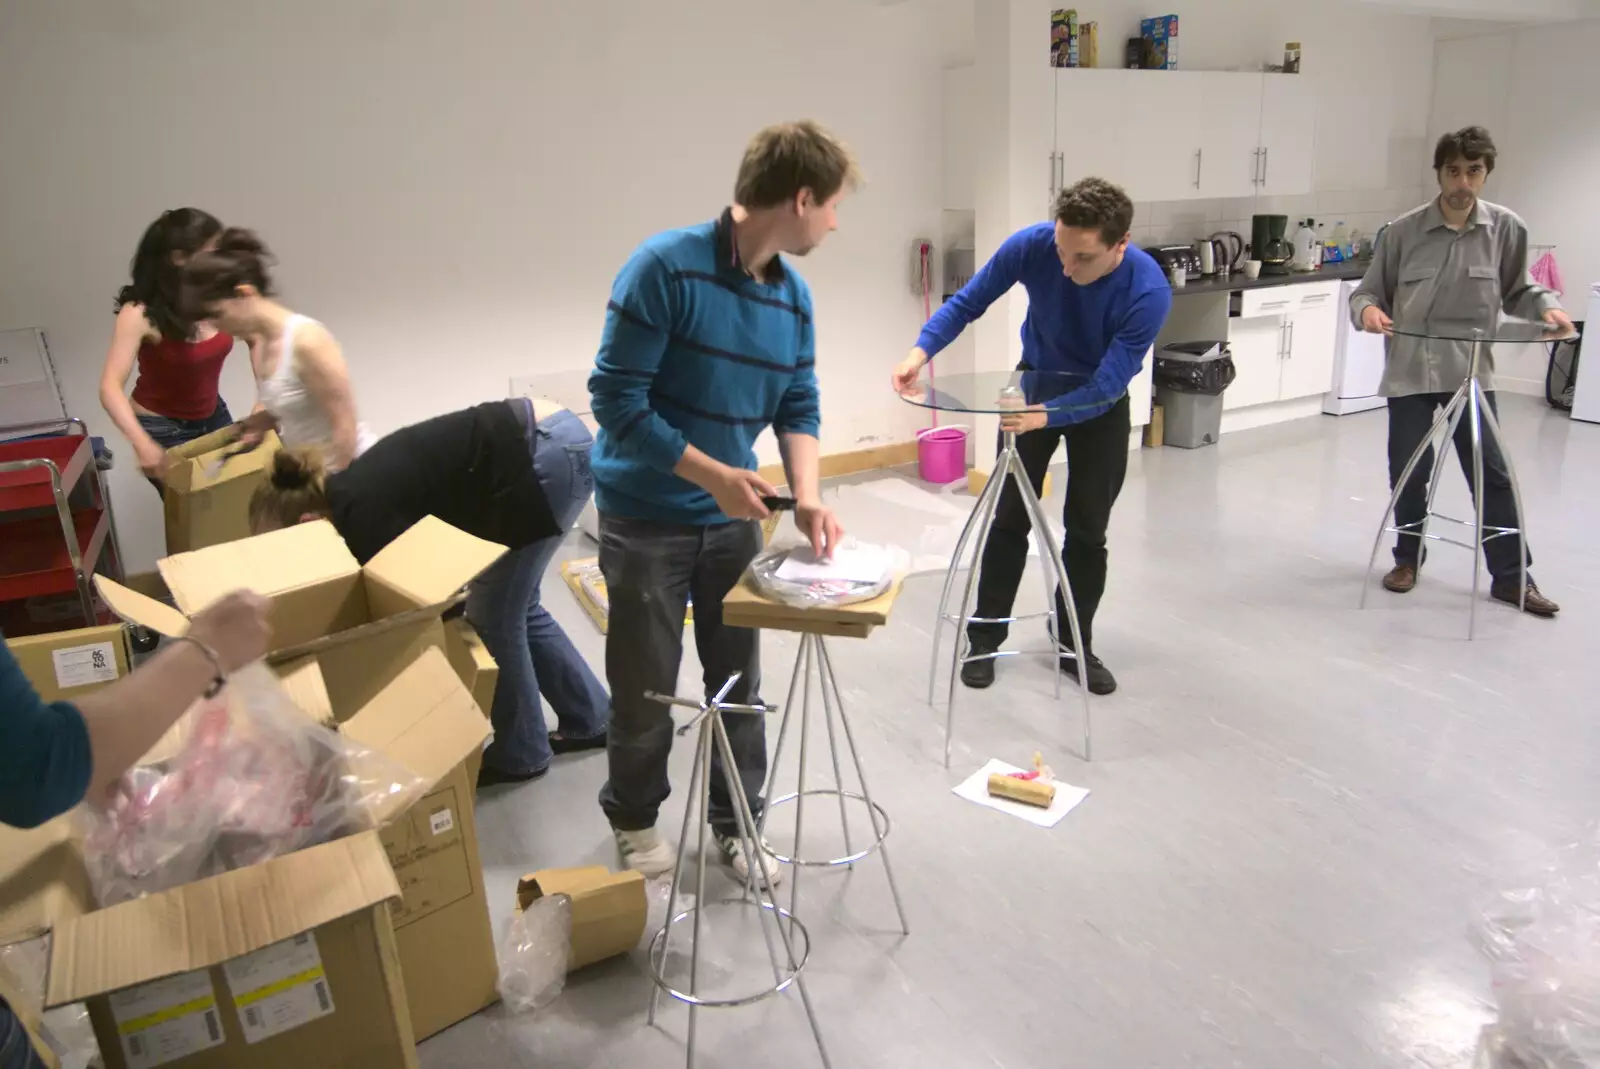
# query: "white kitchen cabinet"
x,y
1092,126
1287,161
1229,133
1141,389
1257,347
1283,343
1162,149
1312,341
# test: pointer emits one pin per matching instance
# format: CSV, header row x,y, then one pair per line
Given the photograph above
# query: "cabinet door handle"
x,y
1255,169
1263,166
1199,161
1290,348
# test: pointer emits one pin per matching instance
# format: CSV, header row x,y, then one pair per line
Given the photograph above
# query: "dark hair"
x,y
1467,143
1097,204
293,489
782,160
240,259
156,279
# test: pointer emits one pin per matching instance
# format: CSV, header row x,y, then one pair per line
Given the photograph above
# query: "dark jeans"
x,y
1410,419
652,570
168,432
1097,462
535,655
16,1052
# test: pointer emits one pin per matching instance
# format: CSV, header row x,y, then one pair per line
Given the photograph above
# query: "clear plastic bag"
x,y
534,954
1543,947
805,584
243,777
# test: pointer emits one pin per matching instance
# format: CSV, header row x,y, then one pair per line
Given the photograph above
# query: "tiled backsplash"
x,y
1185,221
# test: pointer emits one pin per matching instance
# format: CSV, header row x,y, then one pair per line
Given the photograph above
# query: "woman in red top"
x,y
175,398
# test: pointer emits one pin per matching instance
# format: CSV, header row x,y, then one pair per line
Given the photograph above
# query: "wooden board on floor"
x,y
744,607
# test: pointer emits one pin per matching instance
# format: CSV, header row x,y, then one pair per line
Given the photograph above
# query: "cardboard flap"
x,y
425,719
206,443
425,566
219,464
608,908
212,920
302,679
135,608
42,879
274,563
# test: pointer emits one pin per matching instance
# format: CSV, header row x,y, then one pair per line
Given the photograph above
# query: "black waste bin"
x,y
1189,380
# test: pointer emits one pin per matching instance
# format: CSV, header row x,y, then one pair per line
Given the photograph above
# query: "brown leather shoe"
x,y
1401,578
1536,603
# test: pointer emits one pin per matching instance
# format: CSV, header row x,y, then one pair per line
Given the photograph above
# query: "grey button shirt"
x,y
1430,278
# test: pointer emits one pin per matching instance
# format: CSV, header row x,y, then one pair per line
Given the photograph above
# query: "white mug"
x,y
1252,269
1179,278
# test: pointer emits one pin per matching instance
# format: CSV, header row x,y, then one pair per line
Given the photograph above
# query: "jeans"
x,y
1410,419
168,432
16,1052
1097,462
535,655
652,570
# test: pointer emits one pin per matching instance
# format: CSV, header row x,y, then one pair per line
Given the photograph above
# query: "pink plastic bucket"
x,y
942,454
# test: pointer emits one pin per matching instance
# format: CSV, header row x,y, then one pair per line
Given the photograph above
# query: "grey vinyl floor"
x,y
1296,804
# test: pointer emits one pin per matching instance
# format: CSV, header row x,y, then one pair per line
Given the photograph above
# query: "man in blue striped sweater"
x,y
708,341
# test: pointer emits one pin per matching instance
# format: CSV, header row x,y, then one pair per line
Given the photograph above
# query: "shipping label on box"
x,y
81,666
279,987
163,1021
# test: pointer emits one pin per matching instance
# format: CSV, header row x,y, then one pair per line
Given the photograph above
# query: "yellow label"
x,y
279,986
171,1013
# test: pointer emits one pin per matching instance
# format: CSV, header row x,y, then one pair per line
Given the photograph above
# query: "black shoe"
x,y
493,777
562,744
1101,681
979,674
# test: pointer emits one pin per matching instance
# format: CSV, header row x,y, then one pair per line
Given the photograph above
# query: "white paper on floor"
x,y
923,519
975,788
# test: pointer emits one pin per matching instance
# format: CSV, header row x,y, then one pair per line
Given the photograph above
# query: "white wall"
x,y
1537,89
452,187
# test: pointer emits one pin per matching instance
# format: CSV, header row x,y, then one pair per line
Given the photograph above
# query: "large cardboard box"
x,y
207,496
291,962
64,665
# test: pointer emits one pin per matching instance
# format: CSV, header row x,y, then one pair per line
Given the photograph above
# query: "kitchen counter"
x,y
1214,284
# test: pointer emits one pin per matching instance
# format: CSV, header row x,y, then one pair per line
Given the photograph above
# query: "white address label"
x,y
442,821
165,1020
279,987
79,666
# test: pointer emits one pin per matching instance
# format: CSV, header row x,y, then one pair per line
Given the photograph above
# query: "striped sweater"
x,y
695,352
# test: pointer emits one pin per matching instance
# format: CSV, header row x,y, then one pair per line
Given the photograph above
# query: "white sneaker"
x,y
645,851
732,848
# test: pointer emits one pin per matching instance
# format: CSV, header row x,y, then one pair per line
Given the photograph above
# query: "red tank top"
x,y
178,379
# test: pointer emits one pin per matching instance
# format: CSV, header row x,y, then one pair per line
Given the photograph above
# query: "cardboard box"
x,y
207,497
608,909
64,665
363,624
1162,33
1155,430
293,961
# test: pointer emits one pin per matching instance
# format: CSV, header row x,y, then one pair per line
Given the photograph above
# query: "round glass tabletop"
x,y
995,392
1507,330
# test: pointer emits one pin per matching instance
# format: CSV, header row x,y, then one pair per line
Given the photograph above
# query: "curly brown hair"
x,y
1468,143
1094,203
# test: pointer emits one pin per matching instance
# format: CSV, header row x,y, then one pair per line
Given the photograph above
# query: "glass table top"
x,y
1507,330
994,392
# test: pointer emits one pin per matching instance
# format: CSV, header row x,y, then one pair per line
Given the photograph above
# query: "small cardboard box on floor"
x,y
361,626
292,962
207,495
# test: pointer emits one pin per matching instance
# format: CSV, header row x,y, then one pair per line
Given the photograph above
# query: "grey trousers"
x,y
652,570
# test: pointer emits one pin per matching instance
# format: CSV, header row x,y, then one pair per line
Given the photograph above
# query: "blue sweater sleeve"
x,y
639,322
1003,271
1123,359
45,760
800,408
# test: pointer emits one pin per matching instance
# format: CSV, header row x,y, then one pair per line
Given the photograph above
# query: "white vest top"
x,y
301,420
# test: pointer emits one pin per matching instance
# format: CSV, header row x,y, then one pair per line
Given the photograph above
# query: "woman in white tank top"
x,y
301,379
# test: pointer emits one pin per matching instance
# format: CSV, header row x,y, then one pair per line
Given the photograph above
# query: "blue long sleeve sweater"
x,y
696,352
45,760
1101,330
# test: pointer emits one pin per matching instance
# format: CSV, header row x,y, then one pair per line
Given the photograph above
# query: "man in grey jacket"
x,y
1451,266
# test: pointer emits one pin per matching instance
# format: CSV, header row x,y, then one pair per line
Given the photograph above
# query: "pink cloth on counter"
x,y
1547,273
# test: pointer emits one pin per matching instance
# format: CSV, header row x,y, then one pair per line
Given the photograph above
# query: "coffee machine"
x,y
1268,244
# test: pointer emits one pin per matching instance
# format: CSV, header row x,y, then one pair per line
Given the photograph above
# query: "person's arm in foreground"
x,y
639,320
321,365
1003,271
796,424
1519,294
53,755
130,330
1372,300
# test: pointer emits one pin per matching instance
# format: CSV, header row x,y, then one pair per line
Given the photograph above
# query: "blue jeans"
x,y
168,432
535,655
15,1050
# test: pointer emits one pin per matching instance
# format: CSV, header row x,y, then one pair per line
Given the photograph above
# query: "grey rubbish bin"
x,y
1189,380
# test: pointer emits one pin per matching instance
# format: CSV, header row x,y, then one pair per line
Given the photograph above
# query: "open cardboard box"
x,y
292,961
207,496
608,908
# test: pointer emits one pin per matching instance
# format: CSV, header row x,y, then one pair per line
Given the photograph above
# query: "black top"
x,y
472,469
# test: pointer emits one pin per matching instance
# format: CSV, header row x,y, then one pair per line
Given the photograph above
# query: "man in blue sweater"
x,y
1095,305
708,341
